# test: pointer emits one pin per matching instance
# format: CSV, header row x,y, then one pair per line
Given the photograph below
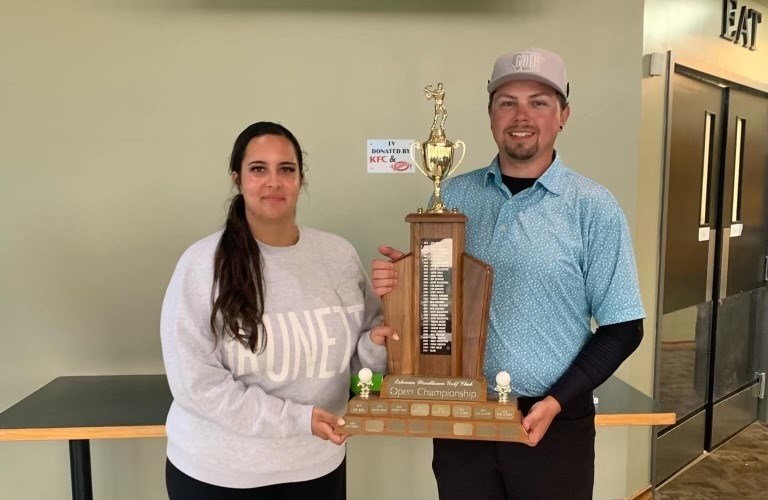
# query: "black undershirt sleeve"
x,y
603,353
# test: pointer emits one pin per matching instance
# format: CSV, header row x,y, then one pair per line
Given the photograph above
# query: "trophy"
x,y
436,153
435,386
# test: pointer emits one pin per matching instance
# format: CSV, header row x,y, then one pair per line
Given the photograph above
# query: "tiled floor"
x,y
738,470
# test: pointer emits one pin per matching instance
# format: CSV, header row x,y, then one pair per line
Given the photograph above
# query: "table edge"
x,y
158,431
619,419
72,433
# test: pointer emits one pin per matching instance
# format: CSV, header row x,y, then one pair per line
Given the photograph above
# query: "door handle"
x,y
765,269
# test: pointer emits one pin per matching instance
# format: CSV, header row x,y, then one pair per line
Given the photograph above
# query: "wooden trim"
x,y
429,218
644,494
635,419
68,433
684,345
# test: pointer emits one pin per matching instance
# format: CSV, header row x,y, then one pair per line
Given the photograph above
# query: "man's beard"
x,y
521,153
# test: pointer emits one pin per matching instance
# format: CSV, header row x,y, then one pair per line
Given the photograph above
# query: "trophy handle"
x,y
416,146
463,152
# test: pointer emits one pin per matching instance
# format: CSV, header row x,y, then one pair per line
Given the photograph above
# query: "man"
x,y
440,114
561,256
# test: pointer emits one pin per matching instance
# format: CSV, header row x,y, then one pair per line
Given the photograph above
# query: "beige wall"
x,y
116,121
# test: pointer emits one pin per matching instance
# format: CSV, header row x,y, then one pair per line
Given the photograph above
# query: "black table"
x,y
79,409
621,404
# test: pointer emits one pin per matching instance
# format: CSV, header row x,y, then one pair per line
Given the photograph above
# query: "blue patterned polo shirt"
x,y
561,255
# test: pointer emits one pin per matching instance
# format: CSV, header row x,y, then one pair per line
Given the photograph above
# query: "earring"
x,y
561,127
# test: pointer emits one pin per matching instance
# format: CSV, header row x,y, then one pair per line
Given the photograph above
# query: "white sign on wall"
x,y
390,156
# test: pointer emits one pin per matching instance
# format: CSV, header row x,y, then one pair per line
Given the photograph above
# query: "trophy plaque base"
x,y
478,420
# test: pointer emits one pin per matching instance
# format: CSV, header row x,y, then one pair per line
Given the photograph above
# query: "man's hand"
x,y
384,276
323,423
538,419
380,333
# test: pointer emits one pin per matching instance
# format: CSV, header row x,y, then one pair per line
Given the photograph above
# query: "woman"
x,y
259,326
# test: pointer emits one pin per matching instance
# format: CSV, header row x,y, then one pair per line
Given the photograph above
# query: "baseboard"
x,y
644,494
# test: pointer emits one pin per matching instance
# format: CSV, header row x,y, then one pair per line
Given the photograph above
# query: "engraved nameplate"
x,y
379,408
461,411
352,424
433,388
506,413
483,412
419,409
441,410
398,408
358,407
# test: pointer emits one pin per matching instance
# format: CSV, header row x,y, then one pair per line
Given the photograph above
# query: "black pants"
x,y
560,466
332,486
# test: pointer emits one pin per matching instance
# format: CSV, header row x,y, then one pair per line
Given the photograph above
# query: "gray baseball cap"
x,y
530,64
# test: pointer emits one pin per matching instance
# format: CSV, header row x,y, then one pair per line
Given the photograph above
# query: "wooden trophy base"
x,y
436,386
477,420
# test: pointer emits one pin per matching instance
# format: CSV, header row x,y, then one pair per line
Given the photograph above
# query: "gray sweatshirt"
x,y
243,420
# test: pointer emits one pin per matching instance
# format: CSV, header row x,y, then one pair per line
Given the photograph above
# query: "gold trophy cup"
x,y
435,156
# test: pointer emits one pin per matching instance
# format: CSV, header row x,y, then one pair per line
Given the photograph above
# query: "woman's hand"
x,y
383,275
380,333
323,424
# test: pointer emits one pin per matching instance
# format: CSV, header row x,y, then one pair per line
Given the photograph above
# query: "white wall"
x,y
116,121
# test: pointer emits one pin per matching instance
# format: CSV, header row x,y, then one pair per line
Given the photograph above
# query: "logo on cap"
x,y
529,62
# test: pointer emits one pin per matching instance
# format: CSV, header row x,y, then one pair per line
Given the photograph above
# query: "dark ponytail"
x,y
238,273
238,281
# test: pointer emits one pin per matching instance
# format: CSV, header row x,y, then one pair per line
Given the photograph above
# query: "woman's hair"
x,y
237,265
